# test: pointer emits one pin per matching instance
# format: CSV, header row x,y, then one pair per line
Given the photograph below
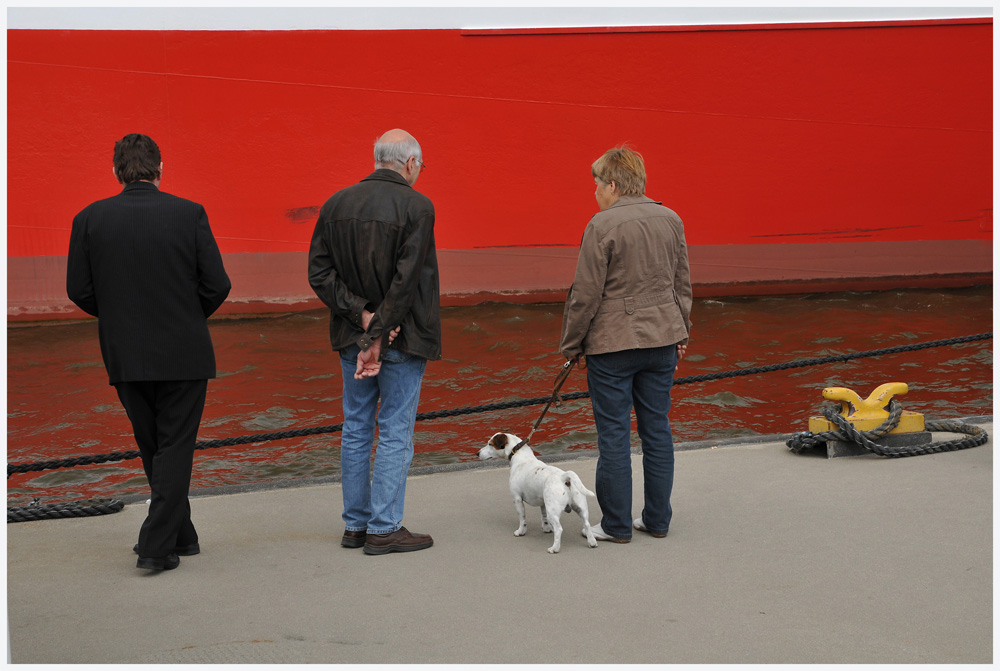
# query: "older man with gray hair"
x,y
372,261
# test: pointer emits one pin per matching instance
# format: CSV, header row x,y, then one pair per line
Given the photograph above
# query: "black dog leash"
x,y
567,367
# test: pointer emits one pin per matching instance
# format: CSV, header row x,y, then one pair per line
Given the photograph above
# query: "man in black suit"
x,y
146,264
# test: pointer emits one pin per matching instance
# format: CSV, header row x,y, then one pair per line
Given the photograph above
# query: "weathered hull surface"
x,y
800,157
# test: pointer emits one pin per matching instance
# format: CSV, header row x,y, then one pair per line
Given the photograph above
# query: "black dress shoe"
x,y
182,550
399,540
171,561
353,539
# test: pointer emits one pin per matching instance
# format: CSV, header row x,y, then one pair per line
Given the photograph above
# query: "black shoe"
x,y
171,561
182,550
353,539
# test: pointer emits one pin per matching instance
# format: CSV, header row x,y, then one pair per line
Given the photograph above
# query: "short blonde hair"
x,y
624,167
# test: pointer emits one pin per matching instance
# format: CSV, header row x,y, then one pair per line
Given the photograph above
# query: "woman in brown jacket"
x,y
628,312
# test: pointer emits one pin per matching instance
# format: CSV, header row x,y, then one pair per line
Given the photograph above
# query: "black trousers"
x,y
165,417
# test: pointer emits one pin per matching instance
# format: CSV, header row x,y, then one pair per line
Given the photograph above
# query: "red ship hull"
x,y
800,157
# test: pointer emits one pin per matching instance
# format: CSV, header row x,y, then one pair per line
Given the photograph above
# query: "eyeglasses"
x,y
423,166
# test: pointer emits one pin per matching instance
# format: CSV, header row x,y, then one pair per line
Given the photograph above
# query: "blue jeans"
x,y
619,381
374,493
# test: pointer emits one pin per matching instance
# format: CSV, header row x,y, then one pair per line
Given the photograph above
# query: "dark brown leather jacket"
x,y
373,248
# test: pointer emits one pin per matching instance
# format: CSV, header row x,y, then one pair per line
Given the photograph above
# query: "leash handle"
x,y
567,367
563,374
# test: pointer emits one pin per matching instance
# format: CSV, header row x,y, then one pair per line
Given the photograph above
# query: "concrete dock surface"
x,y
772,557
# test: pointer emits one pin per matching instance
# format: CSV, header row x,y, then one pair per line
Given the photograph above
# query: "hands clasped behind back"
x,y
369,361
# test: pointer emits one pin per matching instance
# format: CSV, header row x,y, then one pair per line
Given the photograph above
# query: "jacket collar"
x,y
386,175
135,186
633,200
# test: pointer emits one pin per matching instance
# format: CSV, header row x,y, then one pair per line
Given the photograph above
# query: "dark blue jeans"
x,y
619,382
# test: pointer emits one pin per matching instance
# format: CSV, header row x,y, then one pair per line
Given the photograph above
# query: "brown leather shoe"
x,y
353,539
399,540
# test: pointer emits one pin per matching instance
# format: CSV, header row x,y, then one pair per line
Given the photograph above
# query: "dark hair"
x,y
136,158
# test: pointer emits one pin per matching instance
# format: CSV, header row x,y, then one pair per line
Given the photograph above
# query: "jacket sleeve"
x,y
213,282
79,278
325,281
585,295
682,285
402,292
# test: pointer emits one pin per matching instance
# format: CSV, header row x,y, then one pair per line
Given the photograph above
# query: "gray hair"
x,y
387,153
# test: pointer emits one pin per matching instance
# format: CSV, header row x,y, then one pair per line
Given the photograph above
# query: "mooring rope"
x,y
100,507
504,405
58,510
849,433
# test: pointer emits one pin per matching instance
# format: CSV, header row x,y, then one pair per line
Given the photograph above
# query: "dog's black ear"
x,y
499,441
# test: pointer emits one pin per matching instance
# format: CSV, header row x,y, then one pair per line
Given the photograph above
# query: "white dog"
x,y
537,484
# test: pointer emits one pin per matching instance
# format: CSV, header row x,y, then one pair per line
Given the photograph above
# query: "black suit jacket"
x,y
146,264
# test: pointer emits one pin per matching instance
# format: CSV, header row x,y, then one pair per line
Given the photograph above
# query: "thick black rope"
x,y
45,511
801,363
505,405
806,440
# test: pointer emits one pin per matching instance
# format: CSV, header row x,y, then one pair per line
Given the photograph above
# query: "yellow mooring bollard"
x,y
869,414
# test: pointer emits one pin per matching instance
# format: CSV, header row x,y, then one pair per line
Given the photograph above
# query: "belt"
x,y
630,303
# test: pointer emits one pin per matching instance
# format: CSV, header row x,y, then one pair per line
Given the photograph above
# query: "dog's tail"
x,y
573,481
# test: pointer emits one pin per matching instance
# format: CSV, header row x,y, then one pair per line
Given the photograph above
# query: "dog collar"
x,y
516,448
